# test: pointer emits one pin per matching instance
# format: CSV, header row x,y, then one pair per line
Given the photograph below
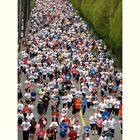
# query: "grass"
x,y
33,3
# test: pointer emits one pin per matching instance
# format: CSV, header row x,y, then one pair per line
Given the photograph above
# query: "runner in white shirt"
x,y
77,128
31,106
39,86
97,113
59,80
90,84
95,104
64,99
41,93
70,97
30,115
52,84
72,120
102,137
20,117
20,106
92,120
64,111
116,107
32,68
113,124
109,104
25,127
89,96
27,96
102,106
88,79
106,124
35,77
78,92
31,77
54,123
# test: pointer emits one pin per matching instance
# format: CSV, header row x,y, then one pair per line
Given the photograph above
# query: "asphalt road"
x,y
82,120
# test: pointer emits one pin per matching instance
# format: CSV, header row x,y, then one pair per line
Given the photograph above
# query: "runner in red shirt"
x,y
67,121
77,105
42,120
25,110
72,134
40,133
51,133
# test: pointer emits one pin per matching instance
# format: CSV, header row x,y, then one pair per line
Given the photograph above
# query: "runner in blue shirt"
x,y
105,114
86,132
63,130
84,104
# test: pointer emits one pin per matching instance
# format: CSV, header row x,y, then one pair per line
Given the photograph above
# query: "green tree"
x,y
105,16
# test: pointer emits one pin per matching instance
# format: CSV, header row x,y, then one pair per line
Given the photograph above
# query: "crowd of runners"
x,y
66,70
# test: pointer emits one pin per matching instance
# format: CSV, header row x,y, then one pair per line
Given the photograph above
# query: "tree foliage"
x,y
106,18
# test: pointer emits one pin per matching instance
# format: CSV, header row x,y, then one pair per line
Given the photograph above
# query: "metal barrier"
x,y
24,9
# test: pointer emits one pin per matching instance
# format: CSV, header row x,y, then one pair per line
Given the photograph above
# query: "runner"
x,y
72,134
32,129
63,130
86,133
52,131
106,125
26,127
113,125
93,125
109,134
99,124
77,128
84,103
40,133
77,105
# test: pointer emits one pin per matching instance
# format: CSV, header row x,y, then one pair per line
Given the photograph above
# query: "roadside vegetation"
x,y
104,18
